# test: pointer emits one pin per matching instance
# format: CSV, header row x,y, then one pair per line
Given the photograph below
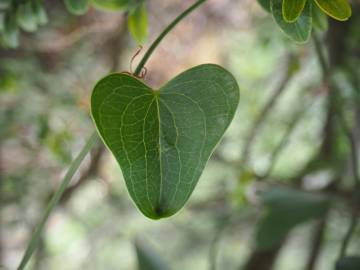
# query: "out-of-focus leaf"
x,y
338,9
57,142
292,9
148,258
320,20
167,135
265,4
299,30
40,12
287,208
4,4
111,5
138,23
10,35
77,7
26,18
348,263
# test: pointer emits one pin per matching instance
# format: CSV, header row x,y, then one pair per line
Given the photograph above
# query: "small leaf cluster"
x,y
28,15
296,18
15,15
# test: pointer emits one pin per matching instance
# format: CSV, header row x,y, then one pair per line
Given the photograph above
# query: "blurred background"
x,y
285,141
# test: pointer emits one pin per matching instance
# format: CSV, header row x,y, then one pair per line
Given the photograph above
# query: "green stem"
x,y
89,144
55,199
164,33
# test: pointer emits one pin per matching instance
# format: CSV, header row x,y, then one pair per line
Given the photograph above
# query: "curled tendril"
x,y
143,70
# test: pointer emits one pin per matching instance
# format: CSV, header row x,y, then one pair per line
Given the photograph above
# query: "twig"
x,y
275,154
349,233
317,243
353,149
265,111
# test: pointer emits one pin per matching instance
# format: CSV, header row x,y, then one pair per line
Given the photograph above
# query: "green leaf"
x,y
148,258
265,4
348,263
292,9
320,20
26,18
138,24
287,208
40,12
338,9
77,7
10,34
111,5
163,139
299,30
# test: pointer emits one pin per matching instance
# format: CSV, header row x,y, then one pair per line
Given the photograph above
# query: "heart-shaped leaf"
x,y
338,9
299,30
163,139
292,9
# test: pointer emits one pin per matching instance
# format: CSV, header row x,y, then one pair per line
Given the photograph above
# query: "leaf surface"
x,y
338,9
163,139
299,30
292,9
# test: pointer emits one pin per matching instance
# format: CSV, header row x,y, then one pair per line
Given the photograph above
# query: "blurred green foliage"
x,y
44,117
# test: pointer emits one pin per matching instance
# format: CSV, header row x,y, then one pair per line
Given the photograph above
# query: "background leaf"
x,y
163,139
148,258
348,263
10,33
292,9
338,9
287,208
77,7
40,12
298,31
26,18
265,4
320,20
110,5
138,23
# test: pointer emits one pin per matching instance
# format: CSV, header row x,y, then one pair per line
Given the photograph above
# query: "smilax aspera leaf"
x,y
162,139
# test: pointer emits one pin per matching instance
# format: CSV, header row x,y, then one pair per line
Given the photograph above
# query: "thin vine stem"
x,y
164,33
90,143
55,199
